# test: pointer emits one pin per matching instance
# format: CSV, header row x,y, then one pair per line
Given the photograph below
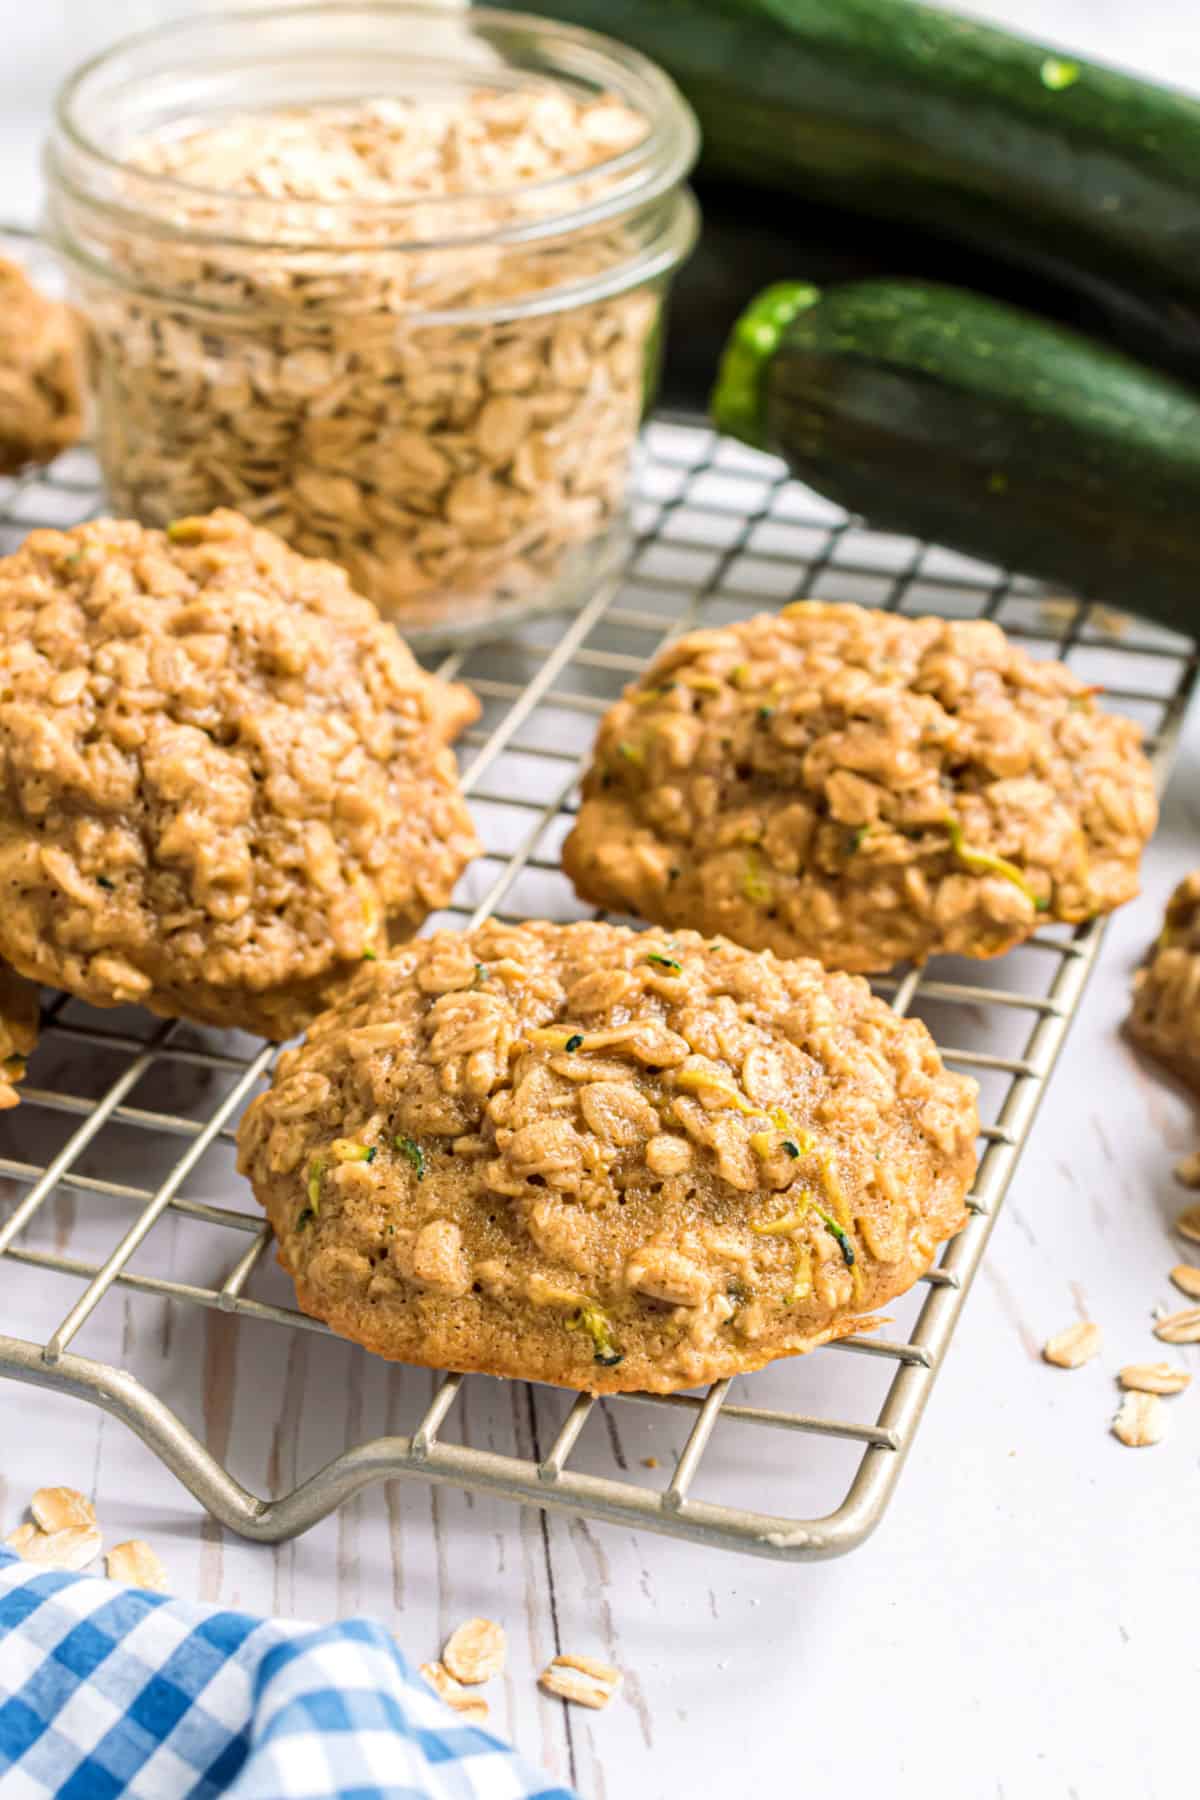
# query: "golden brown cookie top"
x,y
223,779
862,787
607,1159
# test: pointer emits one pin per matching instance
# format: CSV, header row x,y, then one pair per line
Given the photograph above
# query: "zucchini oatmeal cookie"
x,y
862,788
40,392
1165,1017
607,1159
223,780
18,1032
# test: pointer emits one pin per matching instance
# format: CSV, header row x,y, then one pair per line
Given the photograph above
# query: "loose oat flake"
x,y
1071,1348
1187,1174
1154,1378
1188,1222
20,1539
72,1548
581,1680
476,1651
57,1508
472,1706
1180,1327
1187,1277
1141,1421
136,1564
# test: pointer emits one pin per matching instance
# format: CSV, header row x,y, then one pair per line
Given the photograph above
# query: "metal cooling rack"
x,y
719,533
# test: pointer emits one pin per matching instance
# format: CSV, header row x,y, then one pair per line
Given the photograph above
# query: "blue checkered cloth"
x,y
106,1691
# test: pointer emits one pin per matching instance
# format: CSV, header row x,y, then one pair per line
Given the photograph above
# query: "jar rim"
x,y
629,180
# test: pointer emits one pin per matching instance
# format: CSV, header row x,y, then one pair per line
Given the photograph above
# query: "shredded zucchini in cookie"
x,y
347,1150
801,1286
795,1143
782,1120
786,1226
664,962
794,1221
985,862
316,1170
831,1181
699,1081
549,1037
409,1147
594,1322
765,1143
755,886
839,1232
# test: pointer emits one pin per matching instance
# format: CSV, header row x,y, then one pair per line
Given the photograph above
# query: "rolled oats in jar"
x,y
387,279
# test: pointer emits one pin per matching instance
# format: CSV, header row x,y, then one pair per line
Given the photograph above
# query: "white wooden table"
x,y
1024,1623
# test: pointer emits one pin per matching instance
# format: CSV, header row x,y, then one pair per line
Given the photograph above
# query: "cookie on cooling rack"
x,y
605,1159
1165,1017
223,780
18,1032
862,788
40,394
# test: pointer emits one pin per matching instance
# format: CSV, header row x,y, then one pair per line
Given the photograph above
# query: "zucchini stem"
x,y
736,403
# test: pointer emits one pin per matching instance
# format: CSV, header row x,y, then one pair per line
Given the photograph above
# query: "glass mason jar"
x,y
439,390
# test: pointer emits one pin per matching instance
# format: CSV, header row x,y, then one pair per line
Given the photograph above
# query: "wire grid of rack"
x,y
719,532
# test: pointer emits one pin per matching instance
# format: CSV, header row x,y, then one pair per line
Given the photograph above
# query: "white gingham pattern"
x,y
107,1691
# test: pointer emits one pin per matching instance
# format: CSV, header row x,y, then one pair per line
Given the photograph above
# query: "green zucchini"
x,y
742,249
746,246
939,413
1078,172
